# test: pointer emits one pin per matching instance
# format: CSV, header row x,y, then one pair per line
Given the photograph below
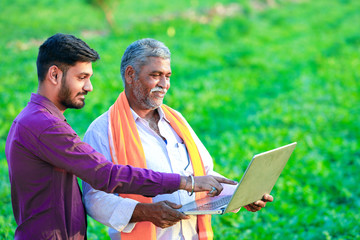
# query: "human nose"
x,y
88,86
164,82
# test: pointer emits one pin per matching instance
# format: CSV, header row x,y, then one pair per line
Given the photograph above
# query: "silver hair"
x,y
137,53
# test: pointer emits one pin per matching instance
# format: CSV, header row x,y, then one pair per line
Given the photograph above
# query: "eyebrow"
x,y
86,73
159,71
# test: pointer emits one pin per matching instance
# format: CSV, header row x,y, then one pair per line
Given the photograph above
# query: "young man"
x,y
45,155
139,124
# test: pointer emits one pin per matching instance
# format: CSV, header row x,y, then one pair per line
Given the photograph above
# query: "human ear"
x,y
54,74
129,74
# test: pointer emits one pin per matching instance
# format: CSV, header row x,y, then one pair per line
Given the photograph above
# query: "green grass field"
x,y
249,76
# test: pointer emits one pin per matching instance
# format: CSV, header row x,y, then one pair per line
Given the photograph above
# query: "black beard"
x,y
64,96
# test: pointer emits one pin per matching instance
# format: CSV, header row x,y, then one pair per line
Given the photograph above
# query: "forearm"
x,y
73,155
128,179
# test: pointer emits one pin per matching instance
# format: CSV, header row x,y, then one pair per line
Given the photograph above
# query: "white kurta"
x,y
164,156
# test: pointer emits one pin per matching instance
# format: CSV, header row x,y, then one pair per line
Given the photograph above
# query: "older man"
x,y
45,155
139,124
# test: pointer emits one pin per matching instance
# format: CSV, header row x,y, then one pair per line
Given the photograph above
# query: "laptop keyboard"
x,y
213,204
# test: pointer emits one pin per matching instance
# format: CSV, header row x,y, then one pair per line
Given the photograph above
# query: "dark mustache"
x,y
83,93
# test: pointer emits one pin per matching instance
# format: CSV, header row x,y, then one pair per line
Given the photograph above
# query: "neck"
x,y
153,119
147,114
52,96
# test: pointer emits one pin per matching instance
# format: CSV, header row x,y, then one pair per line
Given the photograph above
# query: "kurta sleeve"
x,y
61,146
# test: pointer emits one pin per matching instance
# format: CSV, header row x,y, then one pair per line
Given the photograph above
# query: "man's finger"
x,y
215,188
252,207
175,215
260,204
225,180
267,198
213,192
173,205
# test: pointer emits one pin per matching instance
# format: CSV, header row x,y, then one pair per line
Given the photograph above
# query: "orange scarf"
x,y
126,149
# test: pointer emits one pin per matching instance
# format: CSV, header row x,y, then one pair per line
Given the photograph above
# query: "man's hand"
x,y
162,214
205,183
256,206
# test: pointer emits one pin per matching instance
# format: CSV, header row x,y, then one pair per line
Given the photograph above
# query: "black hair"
x,y
63,50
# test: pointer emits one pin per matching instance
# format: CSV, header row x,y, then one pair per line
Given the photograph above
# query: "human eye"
x,y
167,77
156,74
83,77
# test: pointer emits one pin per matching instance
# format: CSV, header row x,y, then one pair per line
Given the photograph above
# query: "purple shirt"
x,y
45,155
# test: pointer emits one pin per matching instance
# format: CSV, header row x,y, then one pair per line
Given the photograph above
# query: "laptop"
x,y
258,179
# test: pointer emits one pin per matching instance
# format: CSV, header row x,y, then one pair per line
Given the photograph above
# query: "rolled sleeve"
x,y
109,209
170,182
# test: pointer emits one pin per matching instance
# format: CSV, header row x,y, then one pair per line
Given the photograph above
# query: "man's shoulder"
x,y
36,118
99,122
99,127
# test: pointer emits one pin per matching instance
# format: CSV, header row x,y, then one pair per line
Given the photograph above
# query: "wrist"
x,y
139,213
186,183
192,185
183,182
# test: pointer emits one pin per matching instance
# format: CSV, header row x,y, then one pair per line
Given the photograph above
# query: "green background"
x,y
249,76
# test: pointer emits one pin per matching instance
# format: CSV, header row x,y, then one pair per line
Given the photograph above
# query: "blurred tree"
x,y
108,7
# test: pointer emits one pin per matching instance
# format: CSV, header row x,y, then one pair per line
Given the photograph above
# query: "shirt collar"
x,y
159,109
46,103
